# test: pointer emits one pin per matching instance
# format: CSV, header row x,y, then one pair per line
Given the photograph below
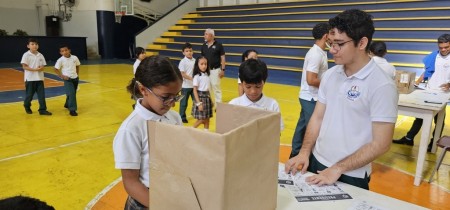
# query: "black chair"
x,y
444,143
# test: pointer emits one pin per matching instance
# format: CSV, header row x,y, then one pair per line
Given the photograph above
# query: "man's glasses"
x,y
337,46
167,101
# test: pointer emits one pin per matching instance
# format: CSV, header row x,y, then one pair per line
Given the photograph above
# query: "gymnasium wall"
x,y
29,16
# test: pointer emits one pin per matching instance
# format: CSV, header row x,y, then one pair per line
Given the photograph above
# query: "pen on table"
x,y
432,102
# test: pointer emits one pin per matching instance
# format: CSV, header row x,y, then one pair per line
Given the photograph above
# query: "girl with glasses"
x,y
159,83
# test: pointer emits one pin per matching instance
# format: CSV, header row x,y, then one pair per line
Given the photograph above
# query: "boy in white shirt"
x,y
253,75
68,67
33,64
186,67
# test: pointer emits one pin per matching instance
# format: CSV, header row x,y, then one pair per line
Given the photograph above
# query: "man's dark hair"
x,y
253,71
356,24
23,202
378,48
186,45
63,46
444,38
320,29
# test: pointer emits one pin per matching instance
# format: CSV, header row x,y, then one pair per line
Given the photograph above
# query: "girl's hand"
x,y
200,107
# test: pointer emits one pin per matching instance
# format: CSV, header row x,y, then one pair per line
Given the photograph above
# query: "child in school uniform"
x,y
186,67
159,82
202,108
33,64
140,55
253,74
68,68
248,54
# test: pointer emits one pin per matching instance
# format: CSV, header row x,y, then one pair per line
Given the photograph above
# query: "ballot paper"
x,y
303,192
364,205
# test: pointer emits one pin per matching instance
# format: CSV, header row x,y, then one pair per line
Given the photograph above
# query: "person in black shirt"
x,y
215,53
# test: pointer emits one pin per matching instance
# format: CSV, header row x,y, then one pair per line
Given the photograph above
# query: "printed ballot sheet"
x,y
303,192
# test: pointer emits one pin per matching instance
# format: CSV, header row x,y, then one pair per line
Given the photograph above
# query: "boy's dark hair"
x,y
320,29
197,69
378,48
23,202
138,51
253,71
154,71
444,38
356,24
246,53
64,45
186,45
33,40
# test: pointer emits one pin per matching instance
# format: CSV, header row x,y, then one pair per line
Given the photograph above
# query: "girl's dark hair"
x,y
154,71
138,51
253,71
378,48
197,69
246,53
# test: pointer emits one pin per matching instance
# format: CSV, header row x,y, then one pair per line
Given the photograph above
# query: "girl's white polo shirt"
x,y
352,104
202,82
131,141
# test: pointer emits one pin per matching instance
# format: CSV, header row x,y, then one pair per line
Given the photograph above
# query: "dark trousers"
x,y
315,165
417,124
300,129
70,87
32,87
184,102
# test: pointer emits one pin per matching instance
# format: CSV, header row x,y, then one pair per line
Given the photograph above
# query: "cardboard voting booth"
x,y
233,169
405,81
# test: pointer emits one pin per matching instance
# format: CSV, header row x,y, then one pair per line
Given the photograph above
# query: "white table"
x,y
286,201
414,105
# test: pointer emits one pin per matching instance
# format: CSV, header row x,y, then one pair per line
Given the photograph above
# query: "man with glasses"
x,y
353,121
437,73
315,64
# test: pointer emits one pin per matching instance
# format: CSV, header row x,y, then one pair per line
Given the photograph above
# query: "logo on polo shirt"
x,y
353,93
214,46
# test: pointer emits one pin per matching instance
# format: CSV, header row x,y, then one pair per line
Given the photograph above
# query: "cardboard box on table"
x,y
405,81
235,168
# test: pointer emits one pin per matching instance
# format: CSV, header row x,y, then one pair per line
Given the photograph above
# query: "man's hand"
x,y
325,177
221,74
445,87
299,162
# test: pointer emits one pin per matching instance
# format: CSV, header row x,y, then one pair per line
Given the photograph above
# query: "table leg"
x,y
426,128
439,126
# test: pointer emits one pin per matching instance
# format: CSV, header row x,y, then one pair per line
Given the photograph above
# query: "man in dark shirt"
x,y
215,53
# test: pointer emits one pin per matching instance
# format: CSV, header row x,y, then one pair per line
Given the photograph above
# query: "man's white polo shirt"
x,y
352,104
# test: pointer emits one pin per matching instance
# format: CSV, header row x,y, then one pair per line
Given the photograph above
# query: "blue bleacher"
x,y
281,32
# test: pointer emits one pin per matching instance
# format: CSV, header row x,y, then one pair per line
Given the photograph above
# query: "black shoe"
x,y
45,112
403,140
73,113
185,121
430,146
28,111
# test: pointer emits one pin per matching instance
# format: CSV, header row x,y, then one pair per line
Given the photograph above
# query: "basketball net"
x,y
118,15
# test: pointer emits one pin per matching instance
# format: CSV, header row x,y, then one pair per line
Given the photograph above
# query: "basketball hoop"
x,y
118,15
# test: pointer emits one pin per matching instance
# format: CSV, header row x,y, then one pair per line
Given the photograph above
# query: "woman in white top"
x,y
378,51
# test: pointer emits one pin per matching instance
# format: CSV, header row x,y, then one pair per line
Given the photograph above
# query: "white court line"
x,y
102,193
54,148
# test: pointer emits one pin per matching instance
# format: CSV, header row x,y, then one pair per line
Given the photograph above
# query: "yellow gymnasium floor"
x,y
68,161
